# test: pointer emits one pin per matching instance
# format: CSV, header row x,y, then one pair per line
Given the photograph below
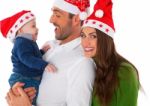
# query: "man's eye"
x,y
58,16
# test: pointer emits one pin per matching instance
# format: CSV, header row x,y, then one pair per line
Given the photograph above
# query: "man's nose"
x,y
52,19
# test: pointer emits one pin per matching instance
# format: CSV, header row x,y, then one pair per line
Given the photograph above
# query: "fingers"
x,y
21,92
46,47
31,92
18,84
51,68
10,94
29,89
9,97
15,86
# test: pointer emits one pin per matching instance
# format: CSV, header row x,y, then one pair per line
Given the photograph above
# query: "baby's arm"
x,y
45,48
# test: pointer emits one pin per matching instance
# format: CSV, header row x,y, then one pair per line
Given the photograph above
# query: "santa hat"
x,y
101,18
80,7
11,25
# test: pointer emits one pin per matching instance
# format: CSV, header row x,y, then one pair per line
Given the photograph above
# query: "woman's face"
x,y
89,41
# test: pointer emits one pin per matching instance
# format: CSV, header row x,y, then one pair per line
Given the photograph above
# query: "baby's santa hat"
x,y
101,18
80,7
11,25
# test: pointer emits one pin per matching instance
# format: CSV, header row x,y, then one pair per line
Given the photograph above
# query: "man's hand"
x,y
30,91
18,100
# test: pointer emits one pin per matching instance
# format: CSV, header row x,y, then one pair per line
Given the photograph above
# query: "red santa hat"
x,y
101,18
11,25
80,7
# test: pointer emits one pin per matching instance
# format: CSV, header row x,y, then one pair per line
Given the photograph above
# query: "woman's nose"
x,y
87,41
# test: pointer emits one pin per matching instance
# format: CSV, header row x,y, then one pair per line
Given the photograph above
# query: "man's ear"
x,y
75,20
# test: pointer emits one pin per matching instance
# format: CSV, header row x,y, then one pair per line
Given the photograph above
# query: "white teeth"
x,y
88,49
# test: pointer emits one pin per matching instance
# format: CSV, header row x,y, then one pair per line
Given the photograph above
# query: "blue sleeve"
x,y
25,52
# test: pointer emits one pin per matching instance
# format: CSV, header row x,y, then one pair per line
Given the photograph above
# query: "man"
x,y
72,84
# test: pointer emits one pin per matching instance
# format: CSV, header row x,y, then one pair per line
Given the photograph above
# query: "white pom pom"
x,y
99,13
83,15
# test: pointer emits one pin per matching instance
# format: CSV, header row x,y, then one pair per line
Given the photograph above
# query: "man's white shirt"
x,y
72,83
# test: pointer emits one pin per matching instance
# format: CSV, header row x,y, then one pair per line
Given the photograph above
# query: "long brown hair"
x,y
108,61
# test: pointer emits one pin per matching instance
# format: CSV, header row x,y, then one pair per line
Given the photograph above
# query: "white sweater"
x,y
72,84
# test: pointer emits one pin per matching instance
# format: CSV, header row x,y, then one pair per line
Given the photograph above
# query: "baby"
x,y
28,65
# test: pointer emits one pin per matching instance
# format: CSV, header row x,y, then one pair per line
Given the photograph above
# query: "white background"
x,y
131,18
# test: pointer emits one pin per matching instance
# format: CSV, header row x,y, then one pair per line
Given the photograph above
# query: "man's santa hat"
x,y
11,25
101,18
80,7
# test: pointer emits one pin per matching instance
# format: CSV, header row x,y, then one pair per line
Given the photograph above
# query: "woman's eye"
x,y
82,36
93,36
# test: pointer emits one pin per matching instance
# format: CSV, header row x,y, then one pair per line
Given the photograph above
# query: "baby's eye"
x,y
33,26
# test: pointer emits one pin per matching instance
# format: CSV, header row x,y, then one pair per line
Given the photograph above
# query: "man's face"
x,y
62,22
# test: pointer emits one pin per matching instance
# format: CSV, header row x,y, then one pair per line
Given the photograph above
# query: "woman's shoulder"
x,y
127,69
128,74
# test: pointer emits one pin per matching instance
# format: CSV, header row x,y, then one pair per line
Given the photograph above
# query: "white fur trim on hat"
x,y
100,26
18,24
63,5
99,13
83,15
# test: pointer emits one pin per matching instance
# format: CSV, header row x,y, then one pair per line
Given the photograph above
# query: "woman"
x,y
116,82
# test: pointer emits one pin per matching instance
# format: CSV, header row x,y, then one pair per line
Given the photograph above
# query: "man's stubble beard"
x,y
66,32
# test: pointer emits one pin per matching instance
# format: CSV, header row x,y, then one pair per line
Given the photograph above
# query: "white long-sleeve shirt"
x,y
72,84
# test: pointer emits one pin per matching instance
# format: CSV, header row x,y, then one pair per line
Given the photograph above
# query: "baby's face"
x,y
30,28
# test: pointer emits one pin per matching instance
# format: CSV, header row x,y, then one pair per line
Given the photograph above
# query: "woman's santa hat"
x,y
11,25
101,18
80,7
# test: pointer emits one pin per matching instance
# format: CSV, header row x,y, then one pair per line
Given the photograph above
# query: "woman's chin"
x,y
88,55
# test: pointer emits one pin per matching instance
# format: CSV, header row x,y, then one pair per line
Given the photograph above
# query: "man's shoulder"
x,y
52,42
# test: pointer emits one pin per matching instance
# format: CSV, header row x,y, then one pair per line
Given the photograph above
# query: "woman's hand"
x,y
18,100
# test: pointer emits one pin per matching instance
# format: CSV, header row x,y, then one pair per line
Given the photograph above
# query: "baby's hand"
x,y
46,47
50,68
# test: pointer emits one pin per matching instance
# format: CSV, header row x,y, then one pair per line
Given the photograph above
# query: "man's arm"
x,y
81,80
